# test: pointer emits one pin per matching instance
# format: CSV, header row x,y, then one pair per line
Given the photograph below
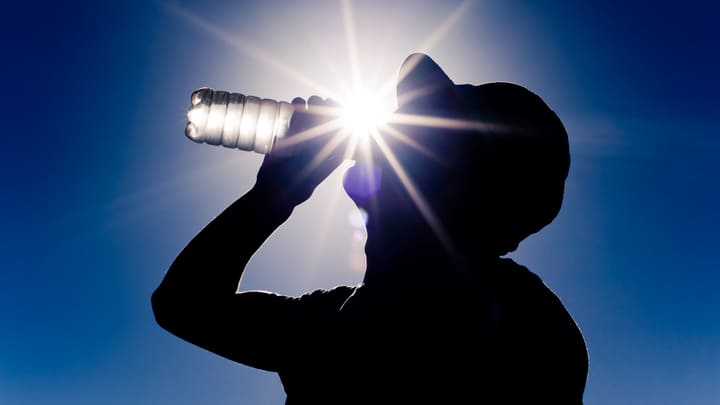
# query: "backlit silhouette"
x,y
459,178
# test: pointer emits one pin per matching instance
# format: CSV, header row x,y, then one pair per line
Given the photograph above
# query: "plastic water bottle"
x,y
237,121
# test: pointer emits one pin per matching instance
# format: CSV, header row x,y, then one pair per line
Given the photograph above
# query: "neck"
x,y
407,251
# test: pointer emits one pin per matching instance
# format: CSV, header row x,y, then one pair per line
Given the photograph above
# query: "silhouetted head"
x,y
489,162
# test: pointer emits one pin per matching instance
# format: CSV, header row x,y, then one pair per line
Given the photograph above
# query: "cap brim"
x,y
419,78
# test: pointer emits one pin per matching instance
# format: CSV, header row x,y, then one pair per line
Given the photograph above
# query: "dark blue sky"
x,y
101,189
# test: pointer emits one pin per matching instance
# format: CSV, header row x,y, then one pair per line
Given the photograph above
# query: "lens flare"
x,y
358,218
365,116
363,113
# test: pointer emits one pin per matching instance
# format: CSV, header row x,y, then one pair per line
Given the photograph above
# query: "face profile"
x,y
493,174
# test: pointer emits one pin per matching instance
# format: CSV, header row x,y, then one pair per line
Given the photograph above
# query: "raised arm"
x,y
198,300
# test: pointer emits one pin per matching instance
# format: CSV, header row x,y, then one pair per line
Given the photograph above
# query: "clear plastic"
x,y
237,121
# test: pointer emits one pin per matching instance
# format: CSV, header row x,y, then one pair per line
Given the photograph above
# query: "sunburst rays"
x,y
337,124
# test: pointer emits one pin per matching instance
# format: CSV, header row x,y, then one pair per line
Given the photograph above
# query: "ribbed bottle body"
x,y
237,121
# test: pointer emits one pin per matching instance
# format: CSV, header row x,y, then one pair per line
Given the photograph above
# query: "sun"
x,y
365,115
364,112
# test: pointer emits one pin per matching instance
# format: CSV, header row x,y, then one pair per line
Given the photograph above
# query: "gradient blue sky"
x,y
101,189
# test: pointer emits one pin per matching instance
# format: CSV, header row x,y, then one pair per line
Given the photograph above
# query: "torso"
x,y
488,340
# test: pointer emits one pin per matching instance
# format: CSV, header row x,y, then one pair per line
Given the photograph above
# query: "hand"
x,y
310,152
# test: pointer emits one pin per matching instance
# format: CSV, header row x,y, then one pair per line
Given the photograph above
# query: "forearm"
x,y
211,265
197,299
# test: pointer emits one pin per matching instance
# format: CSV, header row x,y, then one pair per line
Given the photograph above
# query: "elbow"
x,y
177,314
165,309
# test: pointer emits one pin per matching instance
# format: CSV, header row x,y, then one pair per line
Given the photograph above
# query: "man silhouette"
x,y
440,317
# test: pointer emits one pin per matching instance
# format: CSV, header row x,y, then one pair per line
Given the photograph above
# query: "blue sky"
x,y
101,189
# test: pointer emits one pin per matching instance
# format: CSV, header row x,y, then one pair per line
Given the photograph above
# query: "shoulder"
x,y
531,300
331,299
550,339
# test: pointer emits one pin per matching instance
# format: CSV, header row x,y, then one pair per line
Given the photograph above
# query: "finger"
x,y
299,118
315,101
334,107
315,104
300,107
299,103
